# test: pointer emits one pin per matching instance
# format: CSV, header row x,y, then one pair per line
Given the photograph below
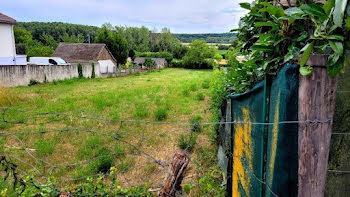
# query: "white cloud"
x,y
179,15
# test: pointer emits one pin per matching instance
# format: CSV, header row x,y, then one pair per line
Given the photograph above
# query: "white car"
x,y
47,61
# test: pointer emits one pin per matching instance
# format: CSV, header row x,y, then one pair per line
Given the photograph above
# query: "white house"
x,y
7,43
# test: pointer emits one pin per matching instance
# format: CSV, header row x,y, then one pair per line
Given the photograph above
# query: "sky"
x,y
181,16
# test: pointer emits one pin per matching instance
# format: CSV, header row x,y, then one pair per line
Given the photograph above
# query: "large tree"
x,y
115,42
199,55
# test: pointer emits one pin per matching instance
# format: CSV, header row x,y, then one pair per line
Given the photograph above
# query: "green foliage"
x,y
132,54
93,74
271,35
160,114
196,123
200,96
80,71
187,142
138,38
33,82
166,55
22,35
199,55
177,63
206,84
149,63
115,42
44,147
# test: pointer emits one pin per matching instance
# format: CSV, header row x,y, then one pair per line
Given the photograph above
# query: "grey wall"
x,y
21,75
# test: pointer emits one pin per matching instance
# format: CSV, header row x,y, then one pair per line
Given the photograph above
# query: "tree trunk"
x,y
177,170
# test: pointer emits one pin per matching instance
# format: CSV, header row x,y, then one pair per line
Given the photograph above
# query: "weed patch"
x,y
160,114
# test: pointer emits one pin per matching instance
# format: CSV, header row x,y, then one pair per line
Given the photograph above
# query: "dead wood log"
x,y
175,175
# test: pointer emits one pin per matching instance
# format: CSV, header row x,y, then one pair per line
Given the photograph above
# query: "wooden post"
x,y
176,173
316,102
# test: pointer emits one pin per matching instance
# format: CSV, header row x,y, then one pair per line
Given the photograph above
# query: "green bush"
x,y
196,123
44,147
187,142
161,114
80,70
149,63
33,82
93,74
200,96
166,55
177,63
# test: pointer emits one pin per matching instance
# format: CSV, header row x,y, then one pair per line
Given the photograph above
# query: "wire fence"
x,y
17,128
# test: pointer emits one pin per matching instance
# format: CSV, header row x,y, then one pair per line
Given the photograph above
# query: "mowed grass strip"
x,y
169,95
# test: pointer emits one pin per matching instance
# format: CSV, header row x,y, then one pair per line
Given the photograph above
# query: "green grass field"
x,y
170,95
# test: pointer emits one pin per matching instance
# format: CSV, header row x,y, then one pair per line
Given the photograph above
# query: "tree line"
x,y
41,39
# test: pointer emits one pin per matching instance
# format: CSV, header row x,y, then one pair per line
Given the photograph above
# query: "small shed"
x,y
86,54
160,62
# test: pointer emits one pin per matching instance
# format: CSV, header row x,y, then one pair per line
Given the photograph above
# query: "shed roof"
x,y
80,52
7,19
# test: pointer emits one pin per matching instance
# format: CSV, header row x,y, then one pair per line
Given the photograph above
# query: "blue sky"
x,y
181,16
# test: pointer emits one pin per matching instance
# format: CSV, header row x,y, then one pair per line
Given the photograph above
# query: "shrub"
x,y
166,55
80,70
177,63
161,114
44,147
206,84
187,142
196,123
33,82
93,75
149,63
200,96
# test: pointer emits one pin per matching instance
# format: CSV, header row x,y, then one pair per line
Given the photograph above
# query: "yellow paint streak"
x,y
274,140
243,148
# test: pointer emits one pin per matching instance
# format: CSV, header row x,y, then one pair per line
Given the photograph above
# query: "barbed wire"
x,y
118,135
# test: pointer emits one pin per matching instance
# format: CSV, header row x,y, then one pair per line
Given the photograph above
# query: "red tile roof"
x,y
7,19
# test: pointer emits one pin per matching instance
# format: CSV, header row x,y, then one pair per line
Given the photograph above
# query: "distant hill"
x,y
223,38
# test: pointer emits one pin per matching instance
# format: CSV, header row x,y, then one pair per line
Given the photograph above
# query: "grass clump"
x,y
193,87
206,84
44,147
187,142
33,82
186,92
8,97
200,96
196,123
160,114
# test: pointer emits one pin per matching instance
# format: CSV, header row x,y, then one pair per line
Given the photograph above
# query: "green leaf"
x,y
307,52
347,23
314,10
293,11
305,70
336,37
302,37
348,9
261,47
337,47
245,6
328,6
187,188
339,10
265,24
333,59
